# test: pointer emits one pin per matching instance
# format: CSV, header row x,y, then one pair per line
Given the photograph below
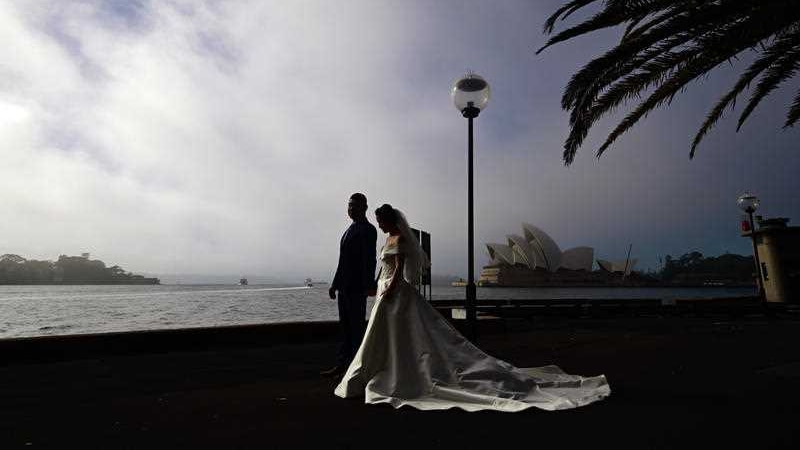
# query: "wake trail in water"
x,y
157,293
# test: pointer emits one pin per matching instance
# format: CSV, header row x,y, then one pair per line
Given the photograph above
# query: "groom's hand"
x,y
332,293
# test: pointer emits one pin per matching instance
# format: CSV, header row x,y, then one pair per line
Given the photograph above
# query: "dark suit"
x,y
355,277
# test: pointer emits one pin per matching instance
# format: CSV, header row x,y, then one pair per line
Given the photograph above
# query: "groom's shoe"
x,y
334,371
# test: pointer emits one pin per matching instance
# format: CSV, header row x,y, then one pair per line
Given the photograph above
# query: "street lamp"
x,y
749,203
470,96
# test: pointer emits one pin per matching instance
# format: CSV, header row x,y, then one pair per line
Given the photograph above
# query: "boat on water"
x,y
243,282
459,283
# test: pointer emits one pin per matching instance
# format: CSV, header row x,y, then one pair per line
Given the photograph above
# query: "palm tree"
x,y
666,45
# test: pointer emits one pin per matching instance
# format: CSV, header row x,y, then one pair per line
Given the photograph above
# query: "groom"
x,y
354,281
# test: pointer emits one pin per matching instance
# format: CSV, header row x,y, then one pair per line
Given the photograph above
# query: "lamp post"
x,y
749,203
470,95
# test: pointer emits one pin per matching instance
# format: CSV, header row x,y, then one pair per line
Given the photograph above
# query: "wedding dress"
x,y
412,356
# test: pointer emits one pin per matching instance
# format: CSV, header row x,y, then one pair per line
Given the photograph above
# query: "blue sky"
x,y
225,137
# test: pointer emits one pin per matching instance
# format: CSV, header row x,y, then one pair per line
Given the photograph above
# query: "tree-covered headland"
x,y
693,267
15,269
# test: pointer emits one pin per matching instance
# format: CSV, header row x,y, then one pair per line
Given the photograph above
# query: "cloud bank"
x,y
225,137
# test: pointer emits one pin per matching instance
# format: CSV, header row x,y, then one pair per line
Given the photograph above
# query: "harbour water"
x,y
57,310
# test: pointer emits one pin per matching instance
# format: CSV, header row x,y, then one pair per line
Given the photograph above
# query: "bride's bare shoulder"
x,y
394,240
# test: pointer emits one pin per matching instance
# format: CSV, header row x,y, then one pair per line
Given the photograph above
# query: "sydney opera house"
x,y
534,258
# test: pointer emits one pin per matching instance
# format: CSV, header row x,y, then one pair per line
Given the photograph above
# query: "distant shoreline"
x,y
144,281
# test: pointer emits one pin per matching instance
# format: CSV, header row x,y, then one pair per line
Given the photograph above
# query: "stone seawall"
x,y
77,346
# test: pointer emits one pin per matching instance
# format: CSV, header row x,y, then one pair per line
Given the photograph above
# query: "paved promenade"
x,y
713,382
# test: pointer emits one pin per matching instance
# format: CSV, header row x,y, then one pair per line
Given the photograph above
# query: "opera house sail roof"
x,y
536,249
523,252
500,254
545,246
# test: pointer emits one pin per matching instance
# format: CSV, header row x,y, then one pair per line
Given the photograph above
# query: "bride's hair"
x,y
417,260
387,213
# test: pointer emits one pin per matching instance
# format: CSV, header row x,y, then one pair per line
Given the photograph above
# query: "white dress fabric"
x,y
412,356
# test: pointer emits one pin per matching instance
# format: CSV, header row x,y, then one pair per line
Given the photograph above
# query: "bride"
x,y
411,355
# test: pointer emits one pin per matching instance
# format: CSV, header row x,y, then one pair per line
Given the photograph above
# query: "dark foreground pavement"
x,y
676,383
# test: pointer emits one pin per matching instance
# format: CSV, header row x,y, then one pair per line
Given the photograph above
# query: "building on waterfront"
x,y
778,247
534,258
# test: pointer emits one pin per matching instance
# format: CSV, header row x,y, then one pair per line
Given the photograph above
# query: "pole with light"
x,y
749,203
470,95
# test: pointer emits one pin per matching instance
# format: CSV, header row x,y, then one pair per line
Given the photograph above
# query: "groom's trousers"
x,y
352,320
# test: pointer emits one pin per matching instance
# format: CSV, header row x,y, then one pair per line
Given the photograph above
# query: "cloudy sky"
x,y
225,137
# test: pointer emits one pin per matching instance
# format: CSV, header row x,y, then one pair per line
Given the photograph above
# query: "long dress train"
x,y
411,355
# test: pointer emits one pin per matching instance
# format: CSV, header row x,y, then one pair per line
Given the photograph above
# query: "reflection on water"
x,y
53,310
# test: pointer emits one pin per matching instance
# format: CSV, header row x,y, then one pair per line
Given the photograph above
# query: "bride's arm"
x,y
397,275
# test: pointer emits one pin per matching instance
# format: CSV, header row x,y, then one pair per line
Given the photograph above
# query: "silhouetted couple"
x,y
409,354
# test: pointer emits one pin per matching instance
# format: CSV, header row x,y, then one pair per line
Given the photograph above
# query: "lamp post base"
x,y
472,316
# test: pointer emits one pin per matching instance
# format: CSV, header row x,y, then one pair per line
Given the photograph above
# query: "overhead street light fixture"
x,y
470,96
749,203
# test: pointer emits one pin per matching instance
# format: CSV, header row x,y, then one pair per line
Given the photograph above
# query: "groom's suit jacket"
x,y
356,270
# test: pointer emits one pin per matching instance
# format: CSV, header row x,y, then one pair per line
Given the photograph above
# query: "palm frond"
x,y
564,12
667,44
662,94
772,54
603,19
632,24
784,68
650,74
637,30
794,112
718,47
615,13
631,53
